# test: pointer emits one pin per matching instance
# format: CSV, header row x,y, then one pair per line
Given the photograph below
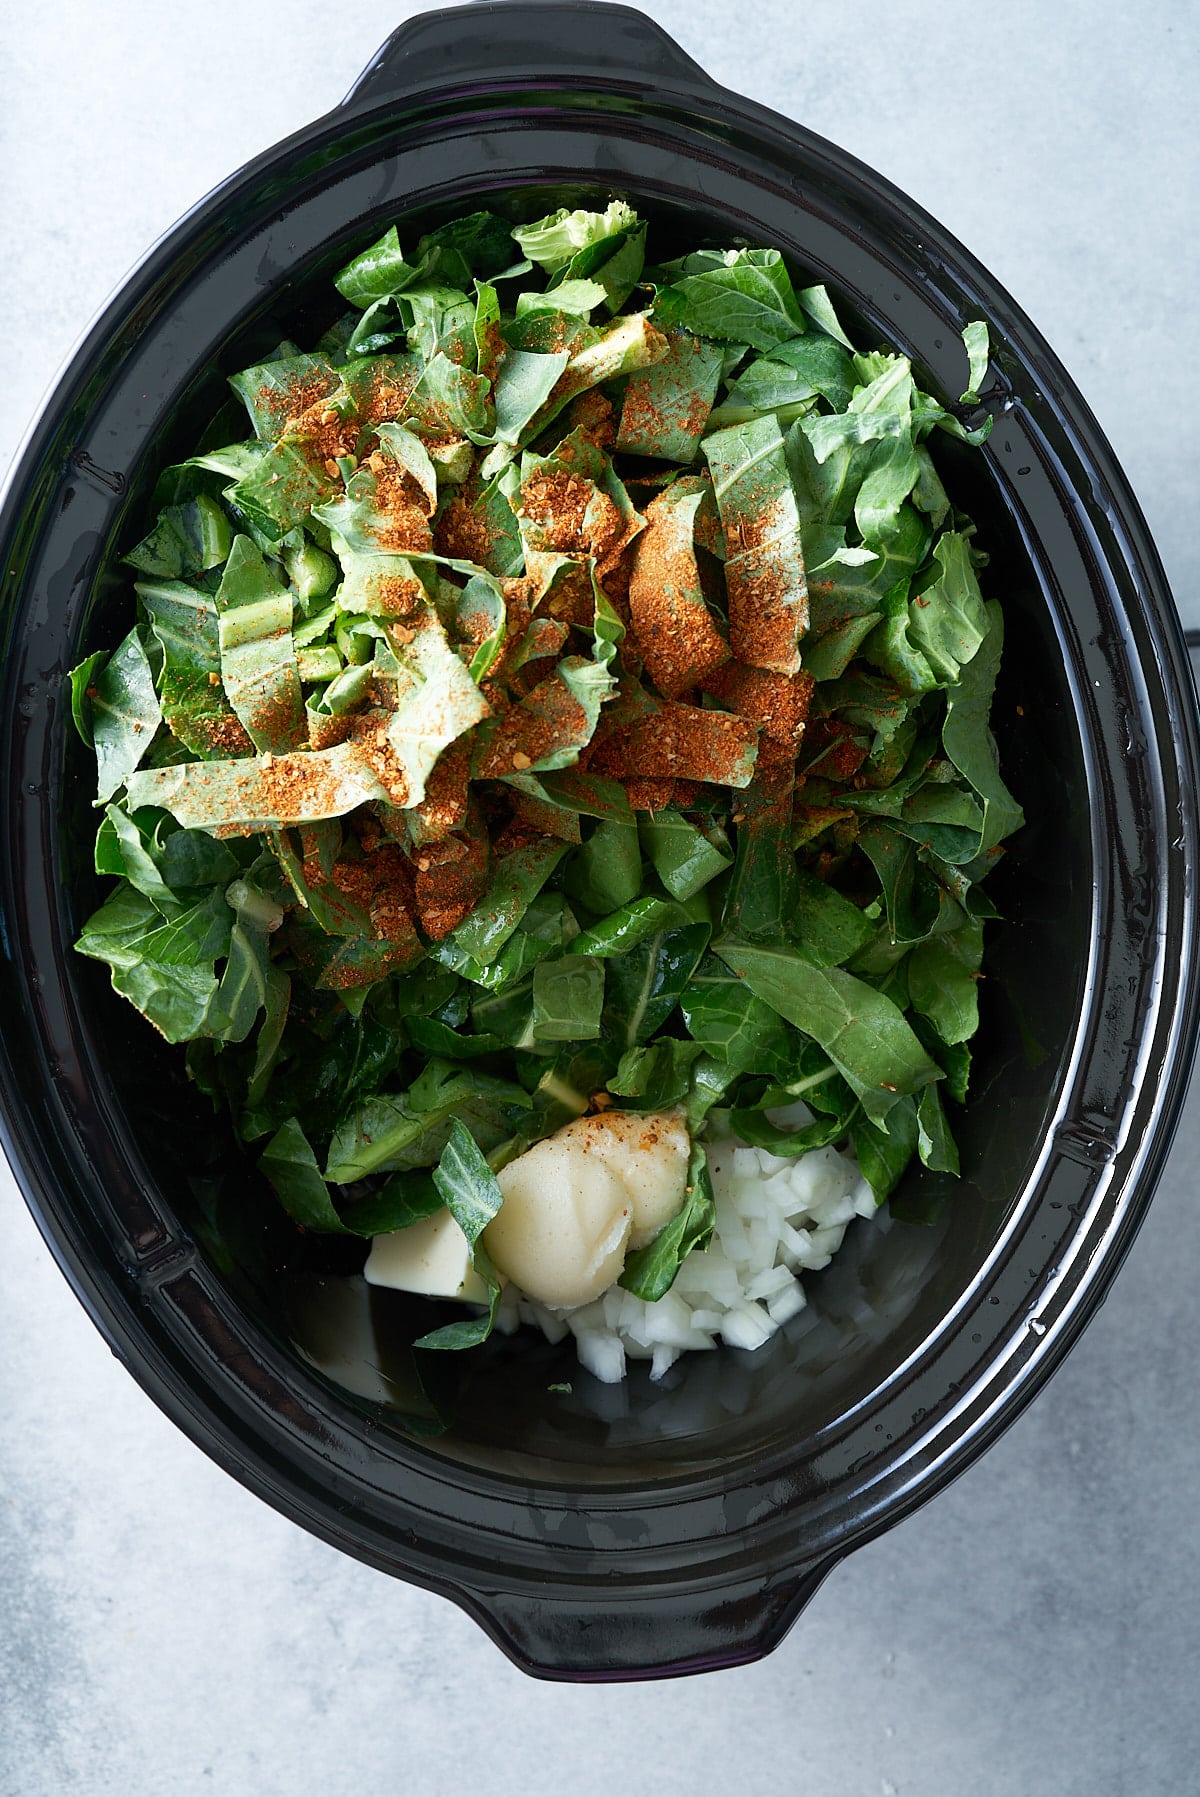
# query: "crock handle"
x,y
590,1640
534,38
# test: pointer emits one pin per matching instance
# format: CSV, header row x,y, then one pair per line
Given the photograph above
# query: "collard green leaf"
x,y
605,872
403,1199
258,659
884,1153
683,857
267,1045
436,701
794,372
553,241
378,273
500,552
967,737
81,678
891,472
480,244
313,573
831,655
629,343
650,1271
975,342
943,981
139,863
516,879
575,297
756,1129
666,406
816,304
449,396
473,1197
246,979
191,858
917,903
400,1131
827,929
187,540
935,1144
615,263
325,1063
568,996
762,895
165,967
587,795
291,1166
726,1019
864,1034
947,619
124,714
433,1037
194,705
524,383
286,483
744,296
467,1184
657,1075
407,450
628,927
274,393
764,567
441,323
209,472
644,985
259,793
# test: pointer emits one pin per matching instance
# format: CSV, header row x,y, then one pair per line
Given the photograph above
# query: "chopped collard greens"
x,y
573,690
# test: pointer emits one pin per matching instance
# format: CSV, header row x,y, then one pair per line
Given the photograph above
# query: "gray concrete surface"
x,y
1034,1630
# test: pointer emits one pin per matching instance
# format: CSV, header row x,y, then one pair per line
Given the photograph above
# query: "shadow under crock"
x,y
710,1503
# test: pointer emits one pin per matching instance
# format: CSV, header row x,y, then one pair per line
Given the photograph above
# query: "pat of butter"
x,y
432,1257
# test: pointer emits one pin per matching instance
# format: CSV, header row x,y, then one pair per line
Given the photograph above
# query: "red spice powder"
x,y
283,405
464,534
682,741
572,601
651,413
369,734
448,888
548,718
833,750
591,414
676,634
614,582
405,507
777,703
650,795
327,732
225,734
387,390
444,807
513,836
578,518
768,597
323,436
292,785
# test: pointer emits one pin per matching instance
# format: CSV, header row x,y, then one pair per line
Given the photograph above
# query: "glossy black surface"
x,y
642,1530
